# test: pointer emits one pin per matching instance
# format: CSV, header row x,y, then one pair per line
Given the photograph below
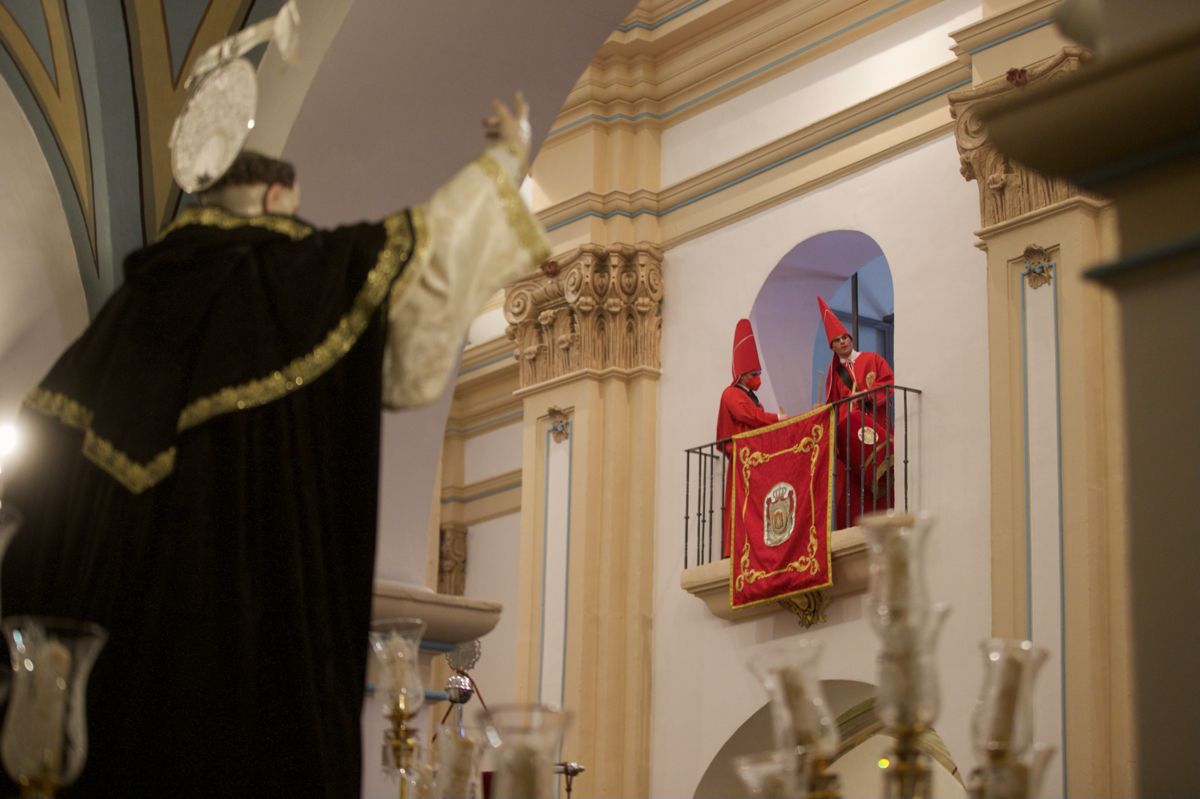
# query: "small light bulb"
x,y
884,762
250,125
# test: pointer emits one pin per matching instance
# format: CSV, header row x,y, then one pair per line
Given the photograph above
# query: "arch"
x,y
785,313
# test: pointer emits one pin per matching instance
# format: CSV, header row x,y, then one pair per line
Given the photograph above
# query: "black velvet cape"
x,y
201,478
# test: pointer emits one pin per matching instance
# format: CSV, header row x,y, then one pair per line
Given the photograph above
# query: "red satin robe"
x,y
740,411
864,475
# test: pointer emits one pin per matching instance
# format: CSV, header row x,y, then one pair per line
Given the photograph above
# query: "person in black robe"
x,y
201,470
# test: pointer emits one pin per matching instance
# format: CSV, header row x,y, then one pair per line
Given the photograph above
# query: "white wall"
x,y
493,561
814,91
42,306
493,550
919,210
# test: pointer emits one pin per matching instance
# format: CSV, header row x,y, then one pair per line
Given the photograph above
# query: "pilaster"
x,y
1127,128
1057,548
586,336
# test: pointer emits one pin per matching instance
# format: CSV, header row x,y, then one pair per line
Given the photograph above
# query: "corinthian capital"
x,y
601,309
1007,189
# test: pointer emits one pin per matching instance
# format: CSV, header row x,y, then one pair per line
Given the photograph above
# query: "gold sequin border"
x,y
215,216
135,476
520,219
395,253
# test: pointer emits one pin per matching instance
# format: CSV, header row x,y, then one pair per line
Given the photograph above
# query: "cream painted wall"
x,y
42,306
702,691
814,91
492,453
493,548
487,326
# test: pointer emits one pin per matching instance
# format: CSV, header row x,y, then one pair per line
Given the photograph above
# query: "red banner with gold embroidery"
x,y
781,509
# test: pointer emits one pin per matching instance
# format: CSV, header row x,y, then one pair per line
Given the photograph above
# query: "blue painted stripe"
x,y
562,697
508,417
658,23
545,546
466,370
754,73
438,646
1007,37
1062,577
484,495
765,168
1025,424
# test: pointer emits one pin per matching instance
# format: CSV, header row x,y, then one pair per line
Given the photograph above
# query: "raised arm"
x,y
474,236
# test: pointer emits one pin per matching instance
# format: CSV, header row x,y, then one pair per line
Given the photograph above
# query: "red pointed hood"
x,y
833,325
745,350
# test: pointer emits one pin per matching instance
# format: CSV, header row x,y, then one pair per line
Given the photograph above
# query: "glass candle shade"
x,y
527,739
898,603
908,695
1002,723
459,752
44,744
774,774
396,645
799,712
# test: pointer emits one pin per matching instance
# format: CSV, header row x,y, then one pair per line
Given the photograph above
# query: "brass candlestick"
x,y
396,646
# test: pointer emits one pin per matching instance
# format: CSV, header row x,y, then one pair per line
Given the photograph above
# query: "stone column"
x,y
1057,549
586,333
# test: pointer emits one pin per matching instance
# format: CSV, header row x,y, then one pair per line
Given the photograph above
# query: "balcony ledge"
x,y
710,582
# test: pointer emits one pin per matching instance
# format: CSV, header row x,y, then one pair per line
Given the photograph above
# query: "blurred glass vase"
x,y
44,744
527,740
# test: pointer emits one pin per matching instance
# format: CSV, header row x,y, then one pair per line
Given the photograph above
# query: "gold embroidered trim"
x,y
396,249
65,409
135,476
519,217
215,216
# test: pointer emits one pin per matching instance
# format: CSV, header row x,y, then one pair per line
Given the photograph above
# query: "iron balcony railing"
x,y
704,480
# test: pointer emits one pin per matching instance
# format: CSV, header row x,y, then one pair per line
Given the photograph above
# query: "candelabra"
x,y
1002,725
907,701
908,627
806,734
396,646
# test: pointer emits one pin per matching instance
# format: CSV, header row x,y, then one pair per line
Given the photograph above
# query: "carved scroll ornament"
x,y
1006,188
602,308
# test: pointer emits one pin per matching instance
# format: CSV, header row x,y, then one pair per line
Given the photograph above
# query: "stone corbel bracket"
x,y
601,310
1006,188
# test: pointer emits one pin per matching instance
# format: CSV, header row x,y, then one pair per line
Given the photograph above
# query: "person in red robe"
x,y
864,438
740,409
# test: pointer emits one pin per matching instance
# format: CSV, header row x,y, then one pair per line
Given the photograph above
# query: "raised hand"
x,y
510,126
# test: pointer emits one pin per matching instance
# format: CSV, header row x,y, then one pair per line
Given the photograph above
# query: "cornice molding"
x,y
465,505
769,166
731,48
1001,27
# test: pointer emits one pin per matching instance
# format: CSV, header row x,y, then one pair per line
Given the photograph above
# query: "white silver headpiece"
x,y
222,100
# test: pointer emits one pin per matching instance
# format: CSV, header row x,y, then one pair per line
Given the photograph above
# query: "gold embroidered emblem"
x,y
868,436
870,380
779,514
